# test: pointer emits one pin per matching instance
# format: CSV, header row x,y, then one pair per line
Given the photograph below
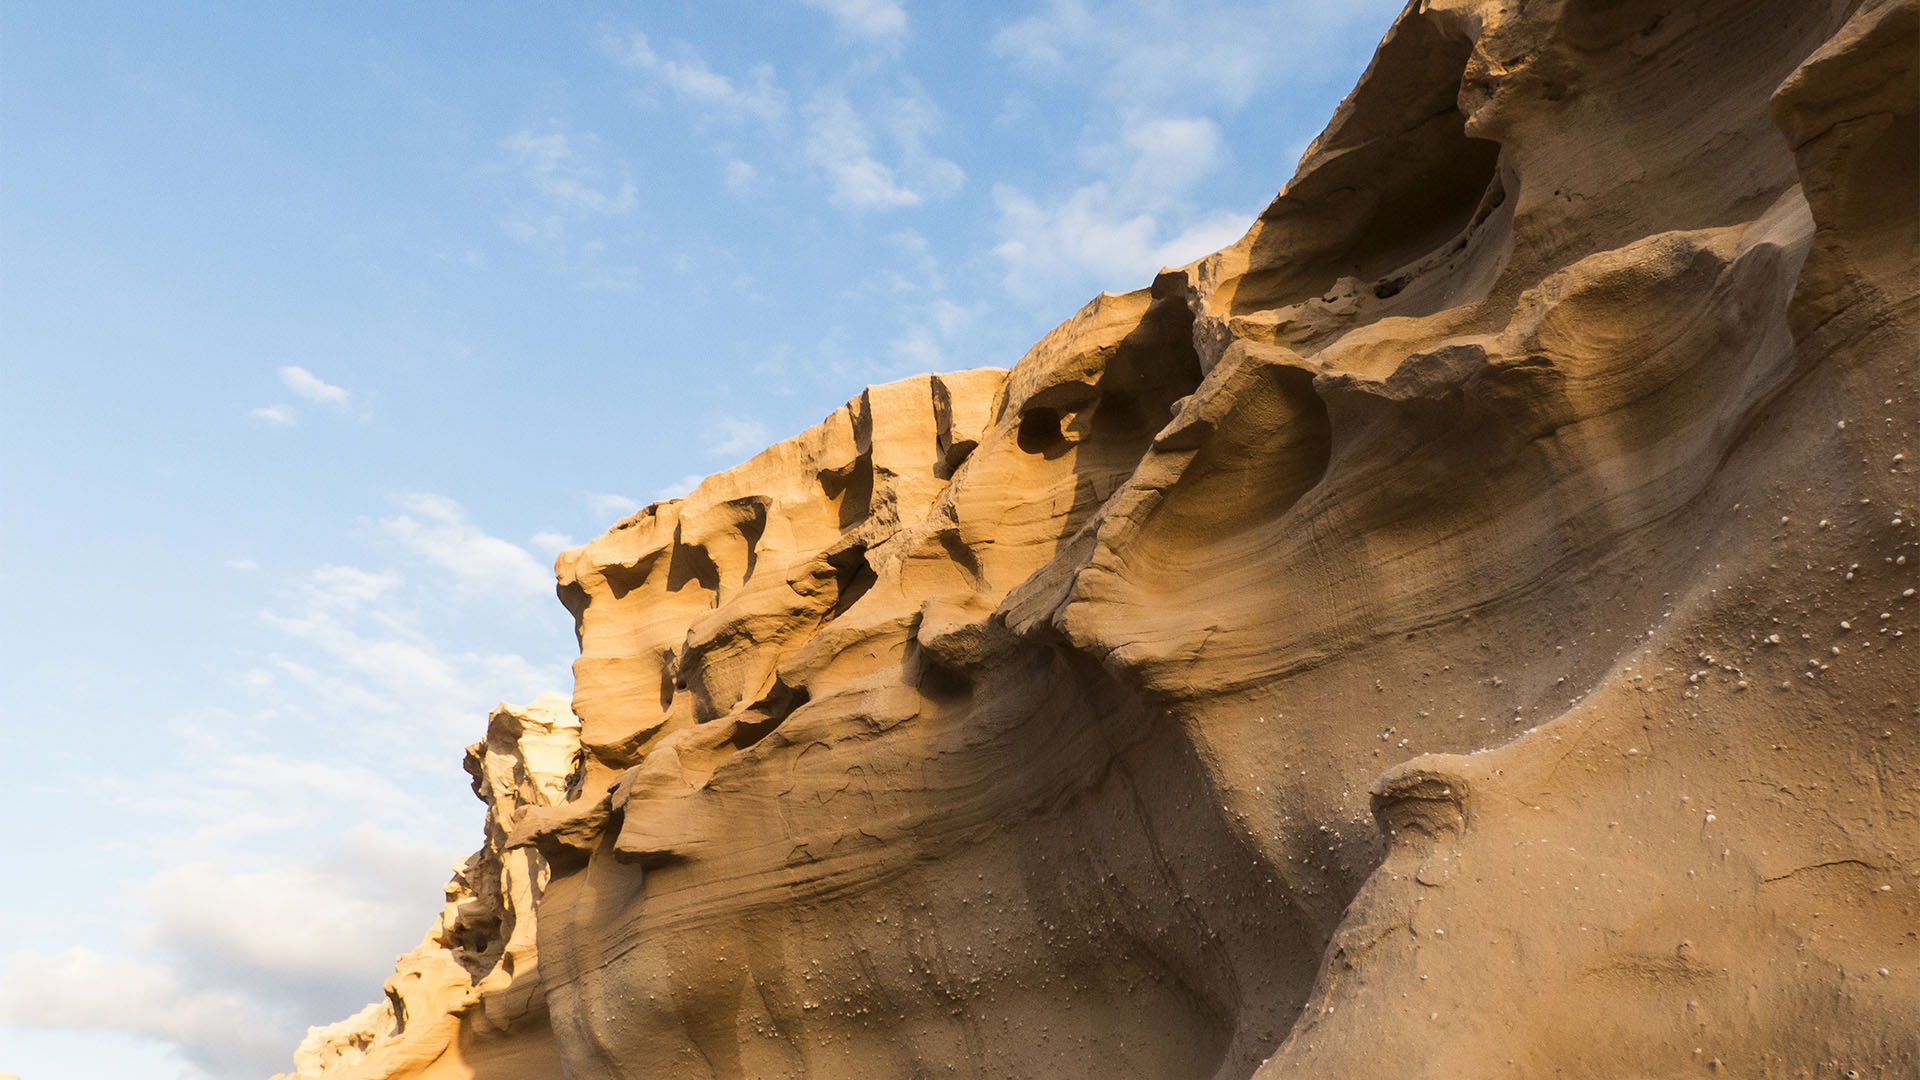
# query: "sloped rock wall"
x,y
1462,629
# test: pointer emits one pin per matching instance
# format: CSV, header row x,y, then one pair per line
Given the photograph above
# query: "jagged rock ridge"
x,y
1462,629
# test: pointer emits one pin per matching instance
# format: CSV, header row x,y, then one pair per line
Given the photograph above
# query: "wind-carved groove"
x,y
852,577
1252,461
1491,200
954,446
751,530
691,563
1380,199
760,718
961,555
850,489
621,579
669,678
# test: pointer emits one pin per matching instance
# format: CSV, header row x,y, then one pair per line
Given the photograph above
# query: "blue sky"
x,y
324,327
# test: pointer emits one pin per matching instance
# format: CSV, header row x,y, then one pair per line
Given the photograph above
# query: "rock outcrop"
x,y
470,991
1465,628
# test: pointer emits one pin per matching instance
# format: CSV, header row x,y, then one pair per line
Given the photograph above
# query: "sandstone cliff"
x,y
1465,628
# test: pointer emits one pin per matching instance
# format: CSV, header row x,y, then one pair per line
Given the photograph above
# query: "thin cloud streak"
x,y
874,20
689,78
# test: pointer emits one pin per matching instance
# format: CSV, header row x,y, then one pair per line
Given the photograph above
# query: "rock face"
x,y
470,992
1465,628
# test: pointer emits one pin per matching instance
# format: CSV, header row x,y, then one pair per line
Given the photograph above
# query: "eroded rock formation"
x,y
1465,628
470,992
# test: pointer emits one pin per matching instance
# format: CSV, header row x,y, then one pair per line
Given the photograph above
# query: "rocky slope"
x,y
1465,628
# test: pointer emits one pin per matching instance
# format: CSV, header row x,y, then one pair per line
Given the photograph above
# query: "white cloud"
x,y
349,586
608,505
242,564
309,386
378,669
679,488
436,528
949,317
282,415
223,1032
260,892
1137,53
571,207
733,436
232,962
1115,231
354,645
1204,237
874,19
840,145
1159,71
1042,41
739,176
837,143
915,247
287,921
1166,155
911,119
918,350
567,179
551,543
1086,235
690,78
1092,237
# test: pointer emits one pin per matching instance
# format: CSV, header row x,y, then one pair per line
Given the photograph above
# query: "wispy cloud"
x,y
221,1031
918,350
875,20
235,961
840,146
1096,238
270,888
349,586
436,529
278,415
688,77
576,191
566,177
471,259
1162,74
1137,53
734,436
354,642
609,506
911,119
1115,231
679,488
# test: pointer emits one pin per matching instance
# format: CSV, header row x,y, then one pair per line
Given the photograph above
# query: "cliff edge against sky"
x,y
1464,628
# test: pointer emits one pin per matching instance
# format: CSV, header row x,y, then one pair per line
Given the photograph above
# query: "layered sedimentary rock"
x,y
1465,628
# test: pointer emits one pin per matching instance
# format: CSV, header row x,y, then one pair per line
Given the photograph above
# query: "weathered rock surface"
x,y
470,992
1465,628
